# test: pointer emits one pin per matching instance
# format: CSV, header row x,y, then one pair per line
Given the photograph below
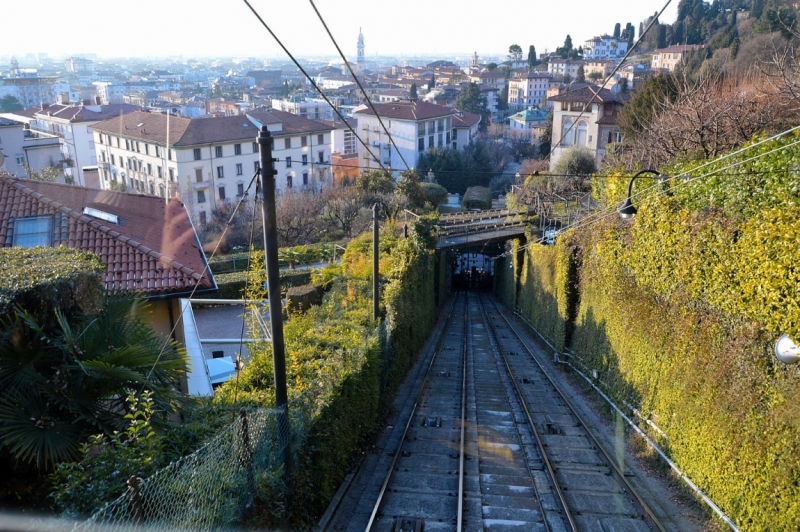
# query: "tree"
x,y
296,215
9,104
502,98
630,35
568,43
434,193
48,173
515,52
408,186
457,170
491,66
595,76
623,84
576,160
60,384
580,76
532,61
472,100
413,92
285,89
342,206
616,30
644,106
432,82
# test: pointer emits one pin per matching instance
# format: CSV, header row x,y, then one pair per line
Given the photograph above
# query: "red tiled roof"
x,y
590,93
465,119
415,110
153,250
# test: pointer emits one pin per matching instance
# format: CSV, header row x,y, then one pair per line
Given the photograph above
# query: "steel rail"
x,y
551,472
461,451
398,451
618,474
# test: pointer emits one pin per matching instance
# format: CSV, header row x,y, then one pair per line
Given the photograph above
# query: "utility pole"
x,y
274,293
375,252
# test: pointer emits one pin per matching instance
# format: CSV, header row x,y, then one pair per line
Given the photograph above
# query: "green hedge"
x,y
342,366
679,311
41,280
232,285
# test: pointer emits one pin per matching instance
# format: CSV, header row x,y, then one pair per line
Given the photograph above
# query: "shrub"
x,y
576,160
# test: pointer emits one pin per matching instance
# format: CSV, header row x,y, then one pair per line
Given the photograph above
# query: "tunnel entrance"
x,y
472,271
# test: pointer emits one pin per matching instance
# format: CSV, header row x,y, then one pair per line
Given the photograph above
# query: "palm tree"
x,y
58,386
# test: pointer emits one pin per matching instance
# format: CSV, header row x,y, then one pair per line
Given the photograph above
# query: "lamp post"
x,y
335,247
627,210
431,176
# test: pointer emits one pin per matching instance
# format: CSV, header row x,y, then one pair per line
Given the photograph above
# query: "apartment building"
x,y
529,90
209,162
672,56
605,47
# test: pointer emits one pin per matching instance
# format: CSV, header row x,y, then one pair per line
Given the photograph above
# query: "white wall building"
x,y
605,47
414,126
311,108
20,146
530,90
32,90
210,161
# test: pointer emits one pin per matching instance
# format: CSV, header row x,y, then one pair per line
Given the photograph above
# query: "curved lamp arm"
x,y
627,210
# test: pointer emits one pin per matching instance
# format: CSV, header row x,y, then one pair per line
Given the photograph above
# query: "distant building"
x,y
361,62
311,108
465,129
21,146
529,123
605,47
564,67
32,90
530,90
672,56
79,64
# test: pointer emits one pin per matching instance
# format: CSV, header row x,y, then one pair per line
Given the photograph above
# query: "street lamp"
x,y
334,251
627,210
430,176
786,350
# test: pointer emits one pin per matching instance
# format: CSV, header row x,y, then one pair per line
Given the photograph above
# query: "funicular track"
x,y
491,444
588,484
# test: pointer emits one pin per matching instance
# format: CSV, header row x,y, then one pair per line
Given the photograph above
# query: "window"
x,y
448,137
170,154
303,141
172,174
580,137
305,159
237,149
160,171
287,143
566,133
440,139
147,149
288,162
288,181
152,189
421,144
238,168
35,231
203,218
201,197
441,124
198,175
430,141
100,137
221,193
240,189
138,150
305,178
255,147
421,128
455,134
217,151
255,166
103,156
321,138
220,171
197,155
149,169
127,145
321,157
158,152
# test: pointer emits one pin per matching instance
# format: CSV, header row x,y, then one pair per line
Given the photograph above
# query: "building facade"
x,y
529,90
605,47
586,117
209,162
672,56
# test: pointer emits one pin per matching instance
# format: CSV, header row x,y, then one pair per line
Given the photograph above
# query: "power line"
x,y
313,83
611,75
366,97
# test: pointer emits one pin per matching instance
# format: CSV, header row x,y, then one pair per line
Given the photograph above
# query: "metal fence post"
x,y
246,454
135,485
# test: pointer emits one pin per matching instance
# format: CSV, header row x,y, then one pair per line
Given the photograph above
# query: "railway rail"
x,y
490,443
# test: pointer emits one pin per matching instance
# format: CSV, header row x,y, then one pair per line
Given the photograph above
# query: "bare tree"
x,y
297,217
342,206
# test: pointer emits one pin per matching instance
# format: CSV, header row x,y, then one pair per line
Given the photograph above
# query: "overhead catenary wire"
x,y
358,82
314,84
611,75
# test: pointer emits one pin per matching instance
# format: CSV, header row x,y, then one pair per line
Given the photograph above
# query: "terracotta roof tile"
x,y
154,249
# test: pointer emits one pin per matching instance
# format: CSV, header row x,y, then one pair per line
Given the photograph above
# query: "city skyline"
x,y
206,28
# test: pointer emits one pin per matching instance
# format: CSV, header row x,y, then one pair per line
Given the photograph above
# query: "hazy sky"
x,y
228,28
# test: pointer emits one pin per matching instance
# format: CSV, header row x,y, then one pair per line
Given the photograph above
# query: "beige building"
x,y
672,56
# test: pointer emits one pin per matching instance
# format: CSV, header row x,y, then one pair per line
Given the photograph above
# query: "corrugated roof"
x,y
153,250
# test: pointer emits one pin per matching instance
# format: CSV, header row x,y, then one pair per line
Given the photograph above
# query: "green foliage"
x,y
434,193
643,107
58,384
515,52
477,198
44,279
107,462
457,170
472,100
10,104
678,313
576,160
413,92
532,61
375,181
580,76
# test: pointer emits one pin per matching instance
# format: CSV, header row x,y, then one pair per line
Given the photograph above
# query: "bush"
x,y
576,160
434,194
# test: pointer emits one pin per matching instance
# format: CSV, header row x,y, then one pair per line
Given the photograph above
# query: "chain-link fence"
x,y
213,487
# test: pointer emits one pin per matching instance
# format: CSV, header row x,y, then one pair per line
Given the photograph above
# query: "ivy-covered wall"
x,y
679,311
